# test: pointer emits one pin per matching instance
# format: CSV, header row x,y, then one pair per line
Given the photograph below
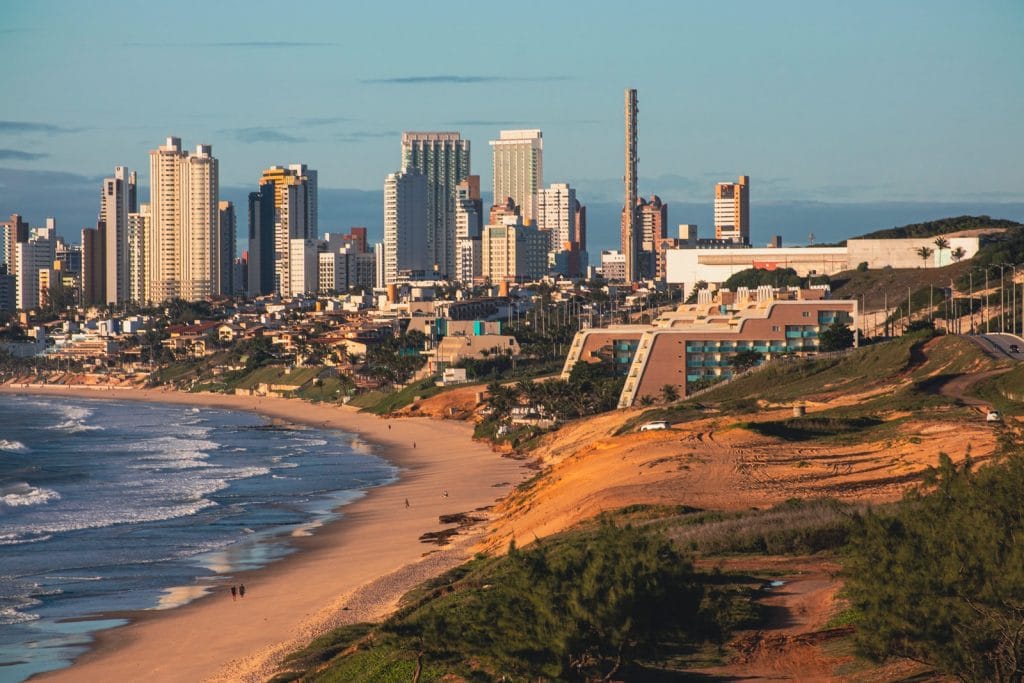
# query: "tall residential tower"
x,y
405,226
519,169
443,158
182,233
732,211
117,200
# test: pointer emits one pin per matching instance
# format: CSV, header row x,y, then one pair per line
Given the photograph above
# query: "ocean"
x,y
119,505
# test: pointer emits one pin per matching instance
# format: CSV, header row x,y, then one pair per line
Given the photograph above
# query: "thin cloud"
x,y
14,127
485,122
323,121
363,135
18,155
257,134
458,79
469,123
272,44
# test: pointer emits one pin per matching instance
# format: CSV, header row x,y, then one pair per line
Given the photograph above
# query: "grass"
x,y
817,427
385,403
795,527
889,285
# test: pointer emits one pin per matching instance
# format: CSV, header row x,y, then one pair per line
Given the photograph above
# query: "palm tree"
x,y
958,254
669,393
646,400
925,253
941,243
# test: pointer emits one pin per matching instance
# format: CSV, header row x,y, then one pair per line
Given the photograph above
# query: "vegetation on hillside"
x,y
941,579
756,277
607,602
943,226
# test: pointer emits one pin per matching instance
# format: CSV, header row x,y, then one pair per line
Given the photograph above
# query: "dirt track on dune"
x,y
716,463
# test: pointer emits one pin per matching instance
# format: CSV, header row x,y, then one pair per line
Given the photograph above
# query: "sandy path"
x,y
365,561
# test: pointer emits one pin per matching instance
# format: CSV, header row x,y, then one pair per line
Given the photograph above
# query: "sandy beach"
x,y
352,570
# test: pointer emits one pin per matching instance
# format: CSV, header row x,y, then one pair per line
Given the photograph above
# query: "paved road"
x,y
998,345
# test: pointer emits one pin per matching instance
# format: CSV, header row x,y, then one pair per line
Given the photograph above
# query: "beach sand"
x,y
351,570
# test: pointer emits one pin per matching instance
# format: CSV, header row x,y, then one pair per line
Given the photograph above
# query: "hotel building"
x,y
695,344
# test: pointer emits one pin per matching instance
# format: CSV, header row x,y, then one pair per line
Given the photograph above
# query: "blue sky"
x,y
817,101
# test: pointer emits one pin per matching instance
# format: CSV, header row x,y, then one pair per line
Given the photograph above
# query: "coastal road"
x,y
998,345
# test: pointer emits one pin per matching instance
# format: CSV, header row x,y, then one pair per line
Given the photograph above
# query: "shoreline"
x,y
354,568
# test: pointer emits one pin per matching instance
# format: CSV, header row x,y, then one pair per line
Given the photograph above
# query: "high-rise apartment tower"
x,y
443,159
181,241
732,211
519,169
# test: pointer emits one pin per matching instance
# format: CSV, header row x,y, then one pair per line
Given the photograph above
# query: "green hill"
x,y
943,226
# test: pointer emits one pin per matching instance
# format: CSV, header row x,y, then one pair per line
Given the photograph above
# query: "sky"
x,y
857,106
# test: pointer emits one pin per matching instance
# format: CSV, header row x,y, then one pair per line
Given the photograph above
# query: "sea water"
x,y
120,505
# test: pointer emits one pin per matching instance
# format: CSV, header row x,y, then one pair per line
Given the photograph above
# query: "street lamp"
x,y
1002,300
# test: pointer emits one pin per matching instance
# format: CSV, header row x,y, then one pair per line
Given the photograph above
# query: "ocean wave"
x,y
312,442
11,615
17,538
21,494
105,518
74,427
12,446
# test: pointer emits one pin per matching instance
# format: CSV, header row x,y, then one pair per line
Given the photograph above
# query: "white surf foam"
x,y
20,494
12,446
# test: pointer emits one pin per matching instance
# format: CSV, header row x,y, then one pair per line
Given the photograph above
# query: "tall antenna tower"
x,y
630,233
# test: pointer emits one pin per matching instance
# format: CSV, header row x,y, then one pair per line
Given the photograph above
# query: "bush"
x,y
940,581
862,267
572,610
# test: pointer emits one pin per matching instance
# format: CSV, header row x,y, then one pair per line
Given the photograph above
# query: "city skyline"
x,y
858,105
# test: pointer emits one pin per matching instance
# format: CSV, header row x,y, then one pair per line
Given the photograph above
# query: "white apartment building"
x,y
302,256
513,251
556,214
34,272
519,168
613,266
138,226
182,239
117,201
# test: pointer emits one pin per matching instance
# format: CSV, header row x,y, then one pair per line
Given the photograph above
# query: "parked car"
x,y
993,416
1014,348
654,426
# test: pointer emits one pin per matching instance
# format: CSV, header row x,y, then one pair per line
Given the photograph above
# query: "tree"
x,y
941,243
940,580
835,337
669,393
576,610
958,254
646,400
925,253
745,359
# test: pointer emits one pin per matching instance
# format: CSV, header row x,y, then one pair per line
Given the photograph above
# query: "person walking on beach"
x,y
241,590
445,494
234,593
414,444
406,502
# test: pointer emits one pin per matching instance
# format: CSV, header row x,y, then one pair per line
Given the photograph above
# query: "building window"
x,y
807,314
